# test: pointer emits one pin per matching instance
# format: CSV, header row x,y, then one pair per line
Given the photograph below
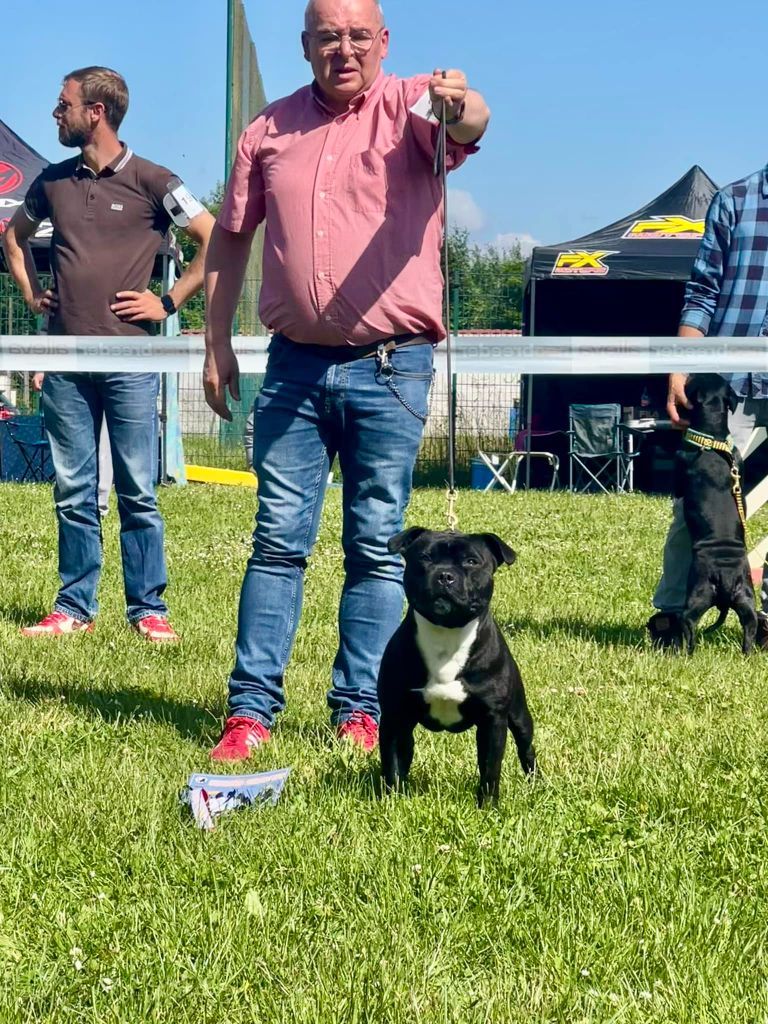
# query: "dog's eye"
x,y
471,560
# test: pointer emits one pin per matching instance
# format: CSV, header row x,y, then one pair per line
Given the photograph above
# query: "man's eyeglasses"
x,y
360,40
62,106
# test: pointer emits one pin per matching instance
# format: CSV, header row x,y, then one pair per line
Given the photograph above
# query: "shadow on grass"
x,y
618,634
614,634
121,705
24,615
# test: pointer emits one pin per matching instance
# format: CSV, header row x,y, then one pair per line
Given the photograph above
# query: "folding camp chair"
x,y
600,448
28,435
506,471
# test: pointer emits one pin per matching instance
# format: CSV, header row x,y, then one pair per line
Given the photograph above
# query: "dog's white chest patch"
x,y
445,652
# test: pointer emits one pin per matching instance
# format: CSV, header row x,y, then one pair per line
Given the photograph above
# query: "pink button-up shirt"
x,y
354,213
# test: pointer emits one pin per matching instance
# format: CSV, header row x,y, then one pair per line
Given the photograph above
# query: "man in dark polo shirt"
x,y
110,211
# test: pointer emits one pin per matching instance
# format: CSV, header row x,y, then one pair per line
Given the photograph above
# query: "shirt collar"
x,y
82,170
357,103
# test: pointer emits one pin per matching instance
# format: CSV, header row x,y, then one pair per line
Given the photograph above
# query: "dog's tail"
x,y
720,620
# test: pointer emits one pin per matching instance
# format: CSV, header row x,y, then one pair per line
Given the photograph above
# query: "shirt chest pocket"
x,y
367,182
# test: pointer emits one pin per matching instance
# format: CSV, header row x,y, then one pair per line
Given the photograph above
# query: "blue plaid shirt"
x,y
728,291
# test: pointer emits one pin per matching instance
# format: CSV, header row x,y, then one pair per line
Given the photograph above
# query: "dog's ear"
x,y
402,541
733,399
501,552
692,389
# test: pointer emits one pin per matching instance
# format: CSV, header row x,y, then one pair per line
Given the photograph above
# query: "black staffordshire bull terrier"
x,y
447,665
707,478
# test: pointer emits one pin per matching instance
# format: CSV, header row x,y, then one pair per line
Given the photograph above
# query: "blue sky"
x,y
597,105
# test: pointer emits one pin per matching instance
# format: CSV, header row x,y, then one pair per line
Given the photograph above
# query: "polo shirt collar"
x,y
113,167
357,103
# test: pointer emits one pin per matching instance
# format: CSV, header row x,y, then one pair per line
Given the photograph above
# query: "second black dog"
x,y
706,471
447,666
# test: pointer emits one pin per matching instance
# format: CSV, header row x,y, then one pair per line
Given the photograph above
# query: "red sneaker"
x,y
57,624
240,738
156,629
359,729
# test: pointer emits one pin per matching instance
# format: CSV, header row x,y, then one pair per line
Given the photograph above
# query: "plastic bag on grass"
x,y
209,796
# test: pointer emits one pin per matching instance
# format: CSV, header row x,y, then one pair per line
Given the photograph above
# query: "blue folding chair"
x,y
29,437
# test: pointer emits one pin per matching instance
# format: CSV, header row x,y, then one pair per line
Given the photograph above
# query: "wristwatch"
x,y
168,304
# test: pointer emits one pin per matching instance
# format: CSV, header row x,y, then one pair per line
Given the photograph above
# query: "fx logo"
x,y
666,227
582,263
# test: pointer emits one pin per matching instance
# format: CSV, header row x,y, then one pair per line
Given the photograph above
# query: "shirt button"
x,y
322,195
329,318
329,158
320,233
321,275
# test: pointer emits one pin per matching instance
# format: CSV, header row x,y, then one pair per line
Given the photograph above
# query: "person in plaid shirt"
x,y
727,295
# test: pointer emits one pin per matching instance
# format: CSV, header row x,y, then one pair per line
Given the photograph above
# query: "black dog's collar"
x,y
706,441
709,443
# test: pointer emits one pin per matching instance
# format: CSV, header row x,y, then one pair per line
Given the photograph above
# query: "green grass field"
x,y
628,884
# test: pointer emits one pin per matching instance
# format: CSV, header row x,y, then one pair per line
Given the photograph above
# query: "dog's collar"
x,y
707,442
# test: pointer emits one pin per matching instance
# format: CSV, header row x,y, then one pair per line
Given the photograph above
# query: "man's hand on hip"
x,y
44,302
220,371
144,305
677,399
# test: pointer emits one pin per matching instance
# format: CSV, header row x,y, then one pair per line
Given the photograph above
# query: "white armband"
x,y
180,205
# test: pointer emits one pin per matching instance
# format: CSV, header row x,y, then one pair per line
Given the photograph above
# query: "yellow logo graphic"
x,y
582,263
666,227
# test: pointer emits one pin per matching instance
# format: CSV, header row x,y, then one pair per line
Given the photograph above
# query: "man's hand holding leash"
x,y
466,114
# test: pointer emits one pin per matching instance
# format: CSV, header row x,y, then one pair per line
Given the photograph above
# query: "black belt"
x,y
348,353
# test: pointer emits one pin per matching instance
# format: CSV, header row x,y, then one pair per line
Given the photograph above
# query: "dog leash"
x,y
441,170
725,448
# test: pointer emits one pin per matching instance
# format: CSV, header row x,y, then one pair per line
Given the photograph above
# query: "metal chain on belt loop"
x,y
441,169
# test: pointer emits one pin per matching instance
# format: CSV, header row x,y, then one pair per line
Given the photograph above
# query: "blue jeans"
x,y
74,405
315,404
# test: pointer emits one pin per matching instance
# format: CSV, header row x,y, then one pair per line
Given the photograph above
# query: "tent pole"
x,y
529,390
169,328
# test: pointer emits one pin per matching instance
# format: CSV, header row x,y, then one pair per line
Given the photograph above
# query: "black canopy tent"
x,y
625,279
19,166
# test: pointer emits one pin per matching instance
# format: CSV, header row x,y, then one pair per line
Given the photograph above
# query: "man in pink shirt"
x,y
341,172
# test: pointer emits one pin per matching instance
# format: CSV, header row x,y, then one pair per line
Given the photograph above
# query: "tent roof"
x,y
660,240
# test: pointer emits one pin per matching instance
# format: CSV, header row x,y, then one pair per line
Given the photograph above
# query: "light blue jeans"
x,y
74,406
317,403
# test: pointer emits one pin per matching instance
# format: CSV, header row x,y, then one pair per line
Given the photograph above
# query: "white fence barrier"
x,y
471,354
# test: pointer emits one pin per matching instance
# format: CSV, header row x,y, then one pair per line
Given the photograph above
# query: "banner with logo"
x,y
660,240
19,166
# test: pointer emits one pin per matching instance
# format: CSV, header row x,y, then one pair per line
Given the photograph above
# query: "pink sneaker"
x,y
57,624
240,738
359,729
156,629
